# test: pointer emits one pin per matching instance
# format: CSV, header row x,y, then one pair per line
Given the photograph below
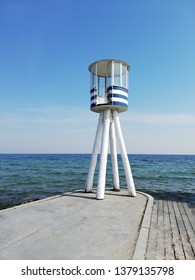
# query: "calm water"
x,y
26,177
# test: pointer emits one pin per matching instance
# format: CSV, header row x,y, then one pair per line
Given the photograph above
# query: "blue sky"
x,y
46,47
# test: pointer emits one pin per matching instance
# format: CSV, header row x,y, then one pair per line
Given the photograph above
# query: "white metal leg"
x,y
96,146
129,177
103,156
115,174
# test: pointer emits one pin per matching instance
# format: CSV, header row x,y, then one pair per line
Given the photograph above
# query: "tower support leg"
x,y
128,174
89,183
103,157
115,173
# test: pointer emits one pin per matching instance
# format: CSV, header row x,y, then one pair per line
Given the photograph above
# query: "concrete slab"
x,y
142,242
73,226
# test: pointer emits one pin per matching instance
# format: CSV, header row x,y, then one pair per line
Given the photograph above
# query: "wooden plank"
x,y
189,228
191,217
177,242
172,232
193,210
190,233
169,250
182,210
152,238
183,233
160,232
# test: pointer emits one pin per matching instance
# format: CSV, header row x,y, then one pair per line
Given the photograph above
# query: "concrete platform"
x,y
76,226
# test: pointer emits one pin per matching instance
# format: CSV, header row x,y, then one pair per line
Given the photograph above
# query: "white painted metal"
x,y
113,150
103,157
120,73
112,78
129,177
89,183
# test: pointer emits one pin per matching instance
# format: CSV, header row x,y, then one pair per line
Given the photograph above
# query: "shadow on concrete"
x,y
88,195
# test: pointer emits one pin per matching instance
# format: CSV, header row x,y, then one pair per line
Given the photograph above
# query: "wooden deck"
x,y
172,232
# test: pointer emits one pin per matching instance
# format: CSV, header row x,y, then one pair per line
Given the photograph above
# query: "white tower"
x,y
109,96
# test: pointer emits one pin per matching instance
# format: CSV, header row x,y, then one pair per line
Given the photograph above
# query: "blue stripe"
x,y
97,105
93,97
93,90
110,95
114,103
118,88
120,104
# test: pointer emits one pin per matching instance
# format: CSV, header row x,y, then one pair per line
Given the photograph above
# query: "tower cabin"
x,y
109,85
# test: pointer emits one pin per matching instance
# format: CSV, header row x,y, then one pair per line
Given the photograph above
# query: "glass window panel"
x,y
116,73
109,74
101,86
93,81
124,76
93,77
108,82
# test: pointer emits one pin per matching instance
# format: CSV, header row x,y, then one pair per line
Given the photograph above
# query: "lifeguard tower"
x,y
109,97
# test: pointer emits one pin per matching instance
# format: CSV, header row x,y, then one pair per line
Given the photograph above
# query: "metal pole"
x,y
115,174
89,183
129,177
103,157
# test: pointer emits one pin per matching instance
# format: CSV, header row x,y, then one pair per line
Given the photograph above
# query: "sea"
x,y
29,177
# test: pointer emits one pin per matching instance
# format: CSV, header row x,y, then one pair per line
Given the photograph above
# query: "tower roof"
x,y
102,66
